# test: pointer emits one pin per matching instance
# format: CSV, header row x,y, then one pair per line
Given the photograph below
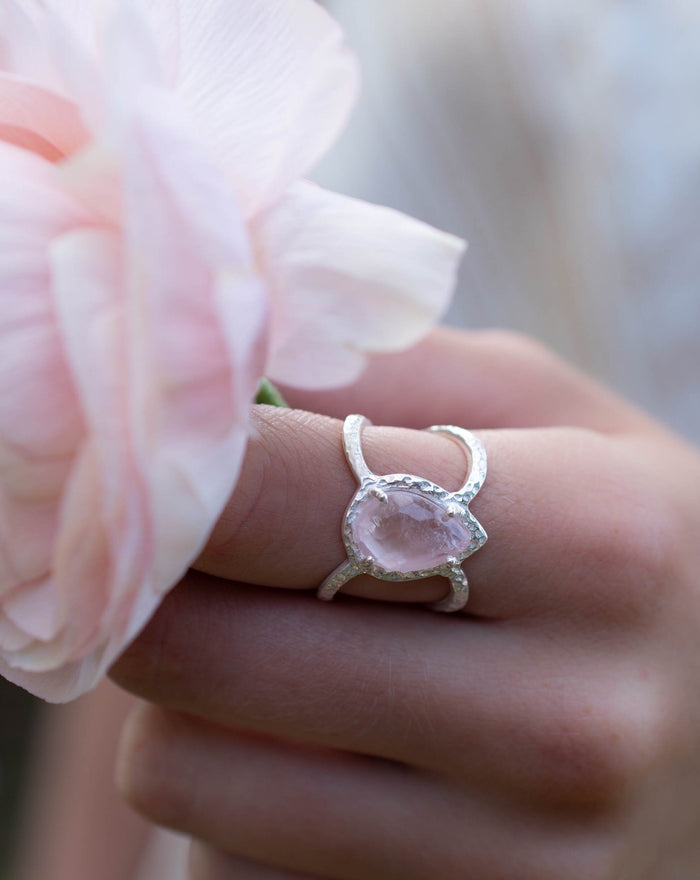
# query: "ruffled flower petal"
x,y
270,84
40,419
89,21
23,46
11,637
164,333
198,310
37,119
348,278
34,608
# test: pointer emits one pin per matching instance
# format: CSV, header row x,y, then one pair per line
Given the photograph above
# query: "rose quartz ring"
x,y
400,527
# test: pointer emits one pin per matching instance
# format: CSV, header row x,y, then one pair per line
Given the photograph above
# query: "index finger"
x,y
552,544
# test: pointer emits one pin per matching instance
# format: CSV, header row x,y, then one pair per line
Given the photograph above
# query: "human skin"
x,y
550,731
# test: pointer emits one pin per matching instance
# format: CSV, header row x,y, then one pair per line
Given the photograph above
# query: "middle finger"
x,y
476,700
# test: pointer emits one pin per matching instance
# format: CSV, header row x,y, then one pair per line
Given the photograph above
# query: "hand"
x,y
551,732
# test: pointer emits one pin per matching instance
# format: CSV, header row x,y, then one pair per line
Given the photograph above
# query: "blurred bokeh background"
x,y
562,139
17,713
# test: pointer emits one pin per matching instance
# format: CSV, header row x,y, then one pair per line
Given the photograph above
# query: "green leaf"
x,y
267,393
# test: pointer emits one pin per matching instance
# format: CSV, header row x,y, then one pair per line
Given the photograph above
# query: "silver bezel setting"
x,y
455,504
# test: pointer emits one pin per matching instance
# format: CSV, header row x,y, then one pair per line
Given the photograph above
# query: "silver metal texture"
x,y
455,505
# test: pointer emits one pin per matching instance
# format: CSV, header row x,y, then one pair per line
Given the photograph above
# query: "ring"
x,y
399,527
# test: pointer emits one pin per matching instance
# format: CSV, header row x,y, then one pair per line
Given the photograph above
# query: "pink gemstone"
x,y
408,531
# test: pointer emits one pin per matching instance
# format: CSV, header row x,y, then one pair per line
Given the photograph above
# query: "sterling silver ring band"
x,y
400,527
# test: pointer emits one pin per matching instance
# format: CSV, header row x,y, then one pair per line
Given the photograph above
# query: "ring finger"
x,y
332,815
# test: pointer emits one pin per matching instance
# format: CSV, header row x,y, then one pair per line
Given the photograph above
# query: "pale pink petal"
x,y
99,555
29,140
270,84
198,307
103,551
348,278
40,421
93,176
104,52
103,55
96,620
163,333
23,47
129,61
129,49
97,45
37,44
90,21
33,668
29,523
76,65
54,685
38,119
107,532
11,637
64,614
34,608
84,16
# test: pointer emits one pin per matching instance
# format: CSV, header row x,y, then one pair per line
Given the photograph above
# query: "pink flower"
x,y
158,255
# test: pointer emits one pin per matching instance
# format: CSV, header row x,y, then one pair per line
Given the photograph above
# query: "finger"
x,y
209,863
565,510
487,379
459,698
327,814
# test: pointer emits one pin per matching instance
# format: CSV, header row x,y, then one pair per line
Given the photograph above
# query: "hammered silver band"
x,y
375,511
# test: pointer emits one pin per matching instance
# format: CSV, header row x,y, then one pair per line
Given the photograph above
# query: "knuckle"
x,y
603,747
585,765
